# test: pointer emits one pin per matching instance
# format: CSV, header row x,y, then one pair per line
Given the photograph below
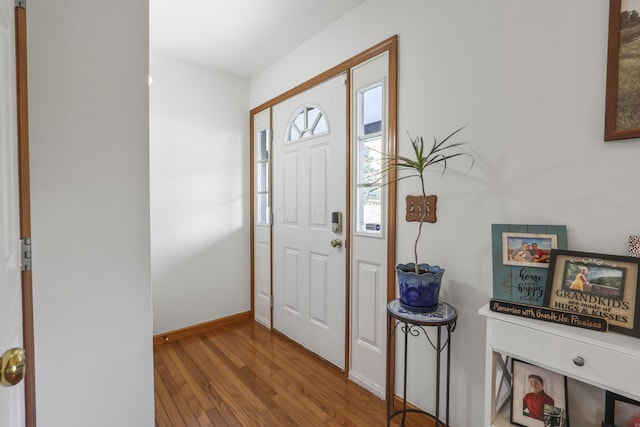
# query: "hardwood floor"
x,y
245,375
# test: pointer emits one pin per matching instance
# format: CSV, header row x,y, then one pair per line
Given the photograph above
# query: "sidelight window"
x,y
369,159
262,177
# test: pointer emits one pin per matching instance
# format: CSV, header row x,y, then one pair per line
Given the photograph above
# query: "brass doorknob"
x,y
336,243
12,367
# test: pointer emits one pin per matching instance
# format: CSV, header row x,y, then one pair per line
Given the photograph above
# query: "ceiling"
x,y
239,37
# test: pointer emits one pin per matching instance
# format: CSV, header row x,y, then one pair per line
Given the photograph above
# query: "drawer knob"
x,y
578,361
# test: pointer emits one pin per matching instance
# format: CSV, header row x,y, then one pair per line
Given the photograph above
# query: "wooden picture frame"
x,y
621,411
597,285
523,282
539,396
622,108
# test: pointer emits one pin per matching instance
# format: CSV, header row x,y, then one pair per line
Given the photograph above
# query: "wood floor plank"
x,y
246,375
182,405
320,401
214,404
233,391
166,399
306,385
191,392
162,418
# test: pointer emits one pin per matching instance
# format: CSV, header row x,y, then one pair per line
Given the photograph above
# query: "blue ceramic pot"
x,y
419,292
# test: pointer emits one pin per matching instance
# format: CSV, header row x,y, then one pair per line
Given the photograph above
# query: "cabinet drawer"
x,y
604,368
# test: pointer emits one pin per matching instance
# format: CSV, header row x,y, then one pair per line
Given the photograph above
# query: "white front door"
x,y
11,398
309,187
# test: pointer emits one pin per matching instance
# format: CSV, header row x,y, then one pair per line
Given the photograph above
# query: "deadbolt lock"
x,y
12,367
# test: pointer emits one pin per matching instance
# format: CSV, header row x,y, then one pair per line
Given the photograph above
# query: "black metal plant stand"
x,y
411,323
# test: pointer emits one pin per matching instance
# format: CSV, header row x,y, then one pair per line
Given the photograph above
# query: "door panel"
x,y
12,398
309,183
370,254
262,220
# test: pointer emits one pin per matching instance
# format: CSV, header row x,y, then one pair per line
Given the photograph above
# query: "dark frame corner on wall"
x,y
622,111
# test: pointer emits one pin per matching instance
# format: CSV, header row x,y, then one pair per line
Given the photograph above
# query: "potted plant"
x,y
419,283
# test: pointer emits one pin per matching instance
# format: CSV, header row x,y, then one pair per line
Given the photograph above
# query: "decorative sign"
x,y
521,255
549,315
597,285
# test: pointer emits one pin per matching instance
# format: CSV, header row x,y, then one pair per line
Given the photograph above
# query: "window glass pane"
x,y
263,209
312,115
371,110
369,210
299,121
293,134
263,177
370,160
263,147
321,127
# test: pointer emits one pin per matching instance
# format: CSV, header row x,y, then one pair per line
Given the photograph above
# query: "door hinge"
x,y
22,4
271,301
25,250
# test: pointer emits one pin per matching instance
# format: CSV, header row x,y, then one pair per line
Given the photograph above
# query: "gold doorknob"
x,y
12,367
336,243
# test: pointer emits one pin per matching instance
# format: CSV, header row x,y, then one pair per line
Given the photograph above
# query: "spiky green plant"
x,y
440,153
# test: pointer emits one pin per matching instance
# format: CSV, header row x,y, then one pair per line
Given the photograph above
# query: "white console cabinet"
x,y
607,360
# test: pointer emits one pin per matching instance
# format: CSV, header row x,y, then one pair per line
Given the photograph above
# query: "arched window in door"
x,y
306,122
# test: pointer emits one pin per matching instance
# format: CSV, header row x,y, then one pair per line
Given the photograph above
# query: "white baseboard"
x,y
264,322
362,382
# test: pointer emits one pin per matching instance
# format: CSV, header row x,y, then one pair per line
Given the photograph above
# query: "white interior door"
x,y
11,398
309,184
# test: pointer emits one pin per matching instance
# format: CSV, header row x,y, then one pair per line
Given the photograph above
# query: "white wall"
x,y
528,80
88,99
199,128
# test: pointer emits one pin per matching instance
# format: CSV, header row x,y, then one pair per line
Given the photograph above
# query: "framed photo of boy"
x,y
621,411
597,285
622,107
539,397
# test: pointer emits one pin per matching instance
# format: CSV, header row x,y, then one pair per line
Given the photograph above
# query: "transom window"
x,y
308,121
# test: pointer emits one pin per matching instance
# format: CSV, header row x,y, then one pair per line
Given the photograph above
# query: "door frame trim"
x,y
389,45
25,211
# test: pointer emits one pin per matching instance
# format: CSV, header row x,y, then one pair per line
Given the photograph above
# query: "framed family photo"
x,y
621,411
528,249
521,255
622,108
539,397
599,285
